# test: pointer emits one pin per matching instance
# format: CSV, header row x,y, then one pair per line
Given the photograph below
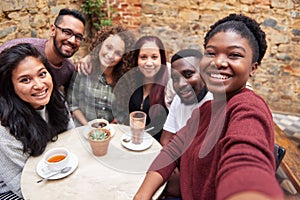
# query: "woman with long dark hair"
x,y
151,79
32,112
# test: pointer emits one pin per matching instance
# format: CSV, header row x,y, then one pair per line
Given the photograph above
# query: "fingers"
x,y
88,69
82,68
84,65
78,67
88,66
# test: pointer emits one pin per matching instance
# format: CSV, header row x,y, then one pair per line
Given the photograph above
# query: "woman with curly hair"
x,y
91,95
226,149
32,112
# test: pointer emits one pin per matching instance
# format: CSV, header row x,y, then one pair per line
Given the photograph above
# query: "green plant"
x,y
98,134
98,12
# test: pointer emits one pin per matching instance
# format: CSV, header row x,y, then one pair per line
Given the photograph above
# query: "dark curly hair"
x,y
126,62
247,27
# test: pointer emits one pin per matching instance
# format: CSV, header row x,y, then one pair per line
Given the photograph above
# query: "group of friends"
x,y
217,134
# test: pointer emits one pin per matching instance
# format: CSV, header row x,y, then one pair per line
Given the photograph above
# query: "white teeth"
x,y
69,47
219,76
41,93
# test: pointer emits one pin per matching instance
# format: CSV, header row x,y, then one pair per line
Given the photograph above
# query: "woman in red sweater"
x,y
226,148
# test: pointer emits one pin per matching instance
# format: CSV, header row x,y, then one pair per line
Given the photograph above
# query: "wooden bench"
x,y
291,161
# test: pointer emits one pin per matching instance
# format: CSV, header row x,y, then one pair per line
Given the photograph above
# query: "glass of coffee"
x,y
137,126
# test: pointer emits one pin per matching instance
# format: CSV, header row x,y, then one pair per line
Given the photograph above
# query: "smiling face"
x,y
32,82
186,79
111,51
149,60
227,63
64,45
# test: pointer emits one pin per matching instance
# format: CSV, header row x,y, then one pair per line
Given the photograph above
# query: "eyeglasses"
x,y
69,33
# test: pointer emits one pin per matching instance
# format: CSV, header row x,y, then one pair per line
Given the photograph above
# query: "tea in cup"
x,y
137,126
56,158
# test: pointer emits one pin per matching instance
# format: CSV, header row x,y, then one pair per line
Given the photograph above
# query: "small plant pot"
x,y
99,147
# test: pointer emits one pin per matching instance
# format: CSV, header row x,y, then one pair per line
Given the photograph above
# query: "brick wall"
x,y
127,12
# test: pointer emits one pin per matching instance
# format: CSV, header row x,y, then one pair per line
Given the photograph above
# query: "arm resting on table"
x,y
166,136
77,114
150,185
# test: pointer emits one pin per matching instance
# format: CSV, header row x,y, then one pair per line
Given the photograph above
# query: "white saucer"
x,y
41,168
88,128
147,142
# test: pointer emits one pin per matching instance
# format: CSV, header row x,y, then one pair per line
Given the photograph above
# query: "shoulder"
x,y
81,79
6,137
34,41
248,97
175,104
3,131
207,97
176,101
37,42
13,42
248,102
68,64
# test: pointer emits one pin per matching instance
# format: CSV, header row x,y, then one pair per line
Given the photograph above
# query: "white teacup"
x,y
98,123
56,158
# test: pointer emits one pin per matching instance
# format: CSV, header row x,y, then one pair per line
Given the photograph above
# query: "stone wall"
x,y
33,18
182,24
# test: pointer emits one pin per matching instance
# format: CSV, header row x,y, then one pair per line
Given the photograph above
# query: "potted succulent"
x,y
99,140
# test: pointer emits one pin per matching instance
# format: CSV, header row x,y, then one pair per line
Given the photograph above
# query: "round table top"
x,y
117,175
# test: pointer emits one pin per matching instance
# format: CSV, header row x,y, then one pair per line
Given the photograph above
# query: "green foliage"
x,y
97,13
99,135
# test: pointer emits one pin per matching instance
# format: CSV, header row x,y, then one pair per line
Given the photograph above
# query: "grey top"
x,y
12,159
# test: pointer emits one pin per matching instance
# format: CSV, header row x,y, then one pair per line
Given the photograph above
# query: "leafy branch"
x,y
98,12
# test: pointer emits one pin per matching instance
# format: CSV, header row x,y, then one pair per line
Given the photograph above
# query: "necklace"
x,y
143,101
144,98
142,105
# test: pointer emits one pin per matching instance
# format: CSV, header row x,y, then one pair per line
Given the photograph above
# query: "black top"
x,y
157,118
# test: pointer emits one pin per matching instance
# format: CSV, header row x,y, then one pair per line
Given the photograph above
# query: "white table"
x,y
117,175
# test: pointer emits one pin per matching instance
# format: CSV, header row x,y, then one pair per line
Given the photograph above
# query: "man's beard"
x,y
197,98
59,51
189,101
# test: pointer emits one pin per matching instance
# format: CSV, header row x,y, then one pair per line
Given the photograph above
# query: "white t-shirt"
x,y
179,113
169,91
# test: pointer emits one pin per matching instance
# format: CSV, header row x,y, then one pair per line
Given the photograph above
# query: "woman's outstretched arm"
x,y
150,185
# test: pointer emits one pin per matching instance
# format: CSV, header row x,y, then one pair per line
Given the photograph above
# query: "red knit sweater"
x,y
226,148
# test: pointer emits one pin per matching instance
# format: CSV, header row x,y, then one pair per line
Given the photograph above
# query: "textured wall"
x,y
32,18
183,23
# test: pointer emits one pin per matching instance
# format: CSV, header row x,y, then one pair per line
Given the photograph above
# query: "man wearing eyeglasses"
x,y
66,37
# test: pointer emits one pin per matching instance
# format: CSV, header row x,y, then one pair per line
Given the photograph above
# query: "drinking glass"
x,y
137,126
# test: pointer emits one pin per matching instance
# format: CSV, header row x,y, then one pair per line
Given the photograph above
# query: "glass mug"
x,y
137,126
